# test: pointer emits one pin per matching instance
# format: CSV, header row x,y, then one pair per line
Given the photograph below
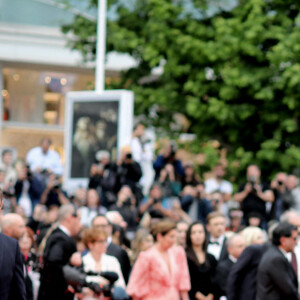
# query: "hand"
x,y
248,188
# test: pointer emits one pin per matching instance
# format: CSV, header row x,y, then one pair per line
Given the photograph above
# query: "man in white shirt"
x,y
42,159
216,225
218,184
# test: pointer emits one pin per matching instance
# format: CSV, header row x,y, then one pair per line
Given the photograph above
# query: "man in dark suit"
x,y
241,283
12,281
102,222
216,225
235,247
276,278
59,248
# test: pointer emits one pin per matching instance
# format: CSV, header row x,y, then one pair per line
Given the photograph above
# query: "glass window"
x,y
38,96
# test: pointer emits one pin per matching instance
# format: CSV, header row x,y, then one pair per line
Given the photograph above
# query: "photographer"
x,y
155,204
253,195
103,176
168,157
284,199
53,194
128,173
194,202
126,206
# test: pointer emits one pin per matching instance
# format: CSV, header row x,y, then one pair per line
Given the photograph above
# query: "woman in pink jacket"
x,y
161,272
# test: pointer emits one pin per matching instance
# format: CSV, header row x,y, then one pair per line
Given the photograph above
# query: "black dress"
x,y
201,276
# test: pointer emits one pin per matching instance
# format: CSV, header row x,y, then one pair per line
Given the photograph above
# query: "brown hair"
x,y
91,235
214,214
163,227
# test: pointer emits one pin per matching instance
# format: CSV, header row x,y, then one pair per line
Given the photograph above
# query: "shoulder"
x,y
6,240
109,259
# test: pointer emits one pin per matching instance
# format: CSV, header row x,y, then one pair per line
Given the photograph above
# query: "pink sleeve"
x,y
139,285
184,282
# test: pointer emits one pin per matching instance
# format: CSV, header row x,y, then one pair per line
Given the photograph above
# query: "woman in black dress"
x,y
201,264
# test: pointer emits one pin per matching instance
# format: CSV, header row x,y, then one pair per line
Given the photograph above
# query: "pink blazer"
x,y
151,279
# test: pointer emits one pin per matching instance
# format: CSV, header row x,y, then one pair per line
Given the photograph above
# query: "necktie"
x,y
294,263
214,243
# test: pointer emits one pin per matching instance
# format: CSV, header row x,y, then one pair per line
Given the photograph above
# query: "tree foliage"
x,y
234,73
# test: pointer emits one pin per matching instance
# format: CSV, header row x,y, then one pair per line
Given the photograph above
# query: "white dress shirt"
x,y
216,249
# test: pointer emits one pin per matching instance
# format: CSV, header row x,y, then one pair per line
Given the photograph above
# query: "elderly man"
x,y
12,283
276,278
59,248
13,225
235,247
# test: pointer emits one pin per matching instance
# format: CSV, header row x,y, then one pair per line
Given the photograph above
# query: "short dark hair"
x,y
283,229
6,151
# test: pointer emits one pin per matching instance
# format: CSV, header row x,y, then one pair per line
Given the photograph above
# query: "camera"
x,y
252,181
156,200
128,156
280,182
79,279
127,202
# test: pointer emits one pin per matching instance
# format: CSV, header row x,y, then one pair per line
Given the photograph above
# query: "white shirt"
x,y
216,249
108,263
36,158
212,185
65,230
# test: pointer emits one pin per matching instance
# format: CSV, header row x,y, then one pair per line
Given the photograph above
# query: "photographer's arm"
x,y
145,206
62,197
267,196
239,197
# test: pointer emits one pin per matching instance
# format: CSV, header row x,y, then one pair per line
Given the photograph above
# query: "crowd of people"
x,y
141,231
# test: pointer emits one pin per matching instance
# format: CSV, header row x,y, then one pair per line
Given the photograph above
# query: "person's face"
x,y
147,243
18,229
236,222
237,247
219,171
7,158
292,182
45,146
295,220
197,235
92,198
155,192
168,240
189,171
289,243
216,227
254,221
75,223
181,230
25,242
99,246
102,223
253,171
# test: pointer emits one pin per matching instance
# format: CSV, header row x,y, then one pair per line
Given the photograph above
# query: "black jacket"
x,y
122,256
12,283
276,279
59,248
241,283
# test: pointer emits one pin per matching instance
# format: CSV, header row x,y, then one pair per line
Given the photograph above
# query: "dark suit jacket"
x,y
59,248
12,283
224,251
276,279
221,276
122,256
241,283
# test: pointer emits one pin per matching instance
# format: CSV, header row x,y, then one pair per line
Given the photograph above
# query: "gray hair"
x,y
65,211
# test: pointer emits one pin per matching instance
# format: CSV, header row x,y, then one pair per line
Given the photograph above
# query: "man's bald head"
x,y
13,225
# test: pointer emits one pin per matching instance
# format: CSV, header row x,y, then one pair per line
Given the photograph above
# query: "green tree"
x,y
234,73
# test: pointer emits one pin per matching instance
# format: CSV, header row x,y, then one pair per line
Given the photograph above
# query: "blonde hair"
x,y
250,234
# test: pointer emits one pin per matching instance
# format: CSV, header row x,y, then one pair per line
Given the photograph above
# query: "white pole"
x,y
101,47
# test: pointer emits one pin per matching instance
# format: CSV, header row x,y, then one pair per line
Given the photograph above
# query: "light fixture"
x,y
16,77
63,81
4,93
47,79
